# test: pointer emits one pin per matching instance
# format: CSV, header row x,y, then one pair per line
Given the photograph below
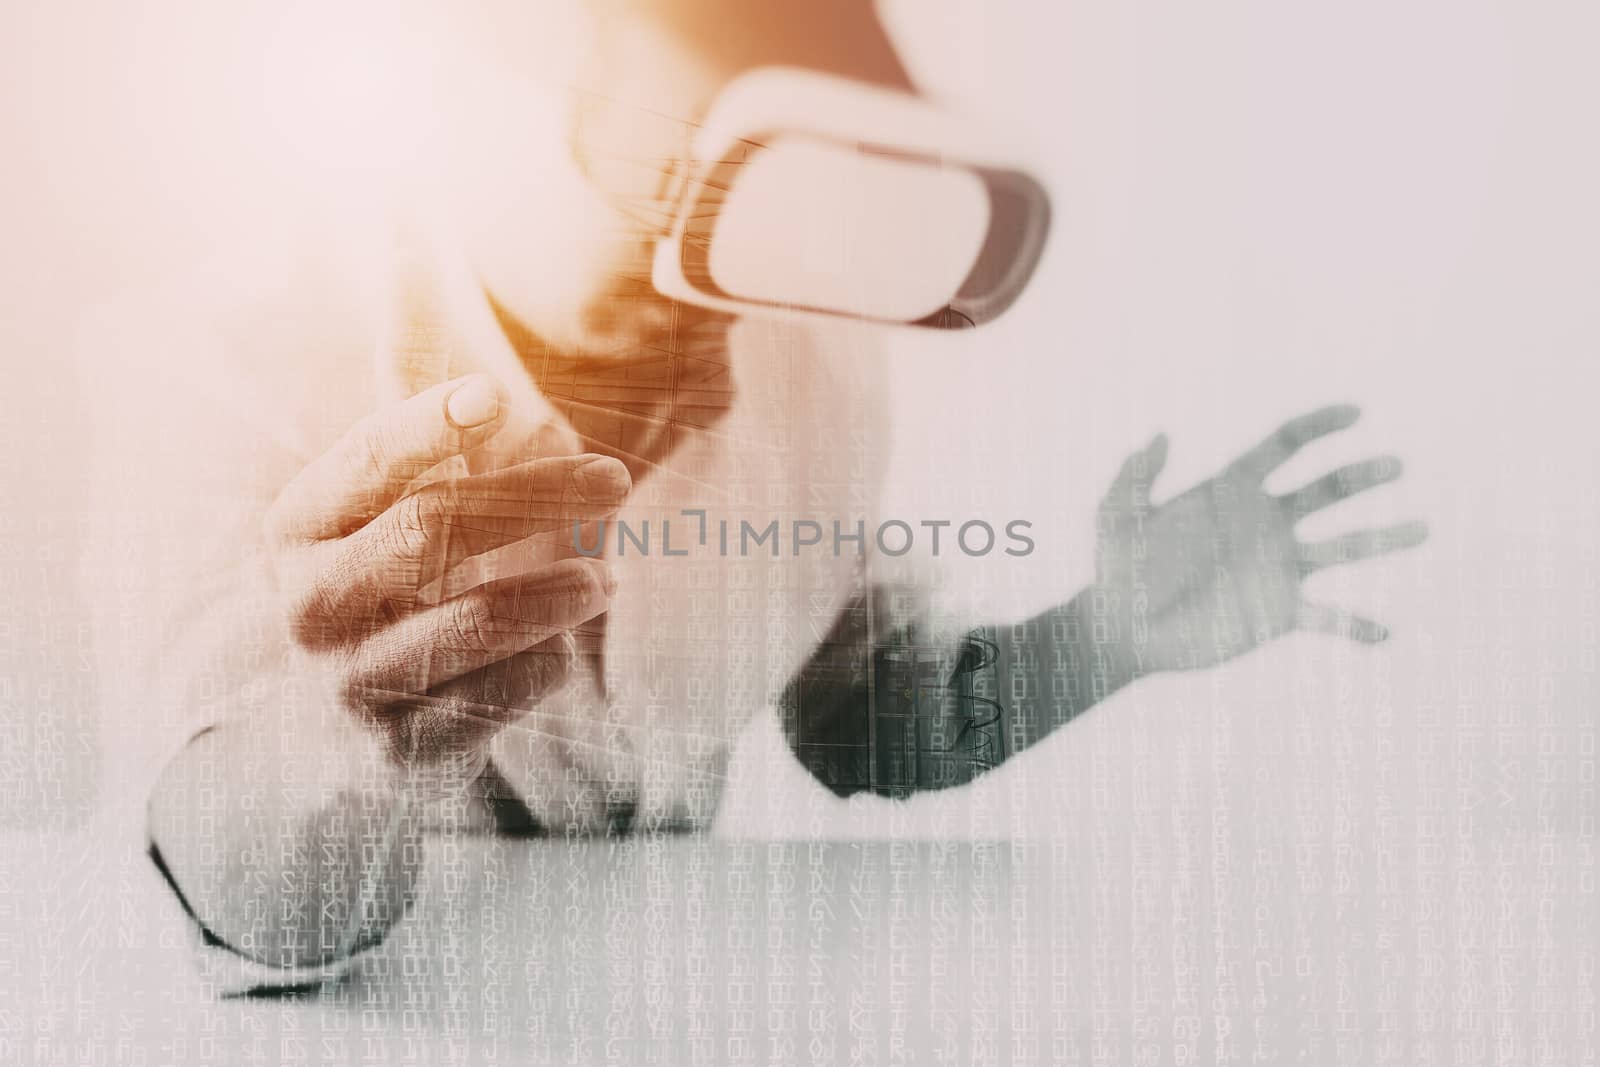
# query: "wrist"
x,y
1107,646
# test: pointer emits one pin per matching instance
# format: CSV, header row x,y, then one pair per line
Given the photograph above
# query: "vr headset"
x,y
804,194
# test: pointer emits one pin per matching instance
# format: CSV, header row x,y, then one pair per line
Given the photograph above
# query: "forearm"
x,y
290,858
1080,658
844,713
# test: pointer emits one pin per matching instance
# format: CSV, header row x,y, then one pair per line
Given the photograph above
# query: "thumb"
x,y
1155,460
1138,474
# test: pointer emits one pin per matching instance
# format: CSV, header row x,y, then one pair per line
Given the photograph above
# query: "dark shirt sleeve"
x,y
879,709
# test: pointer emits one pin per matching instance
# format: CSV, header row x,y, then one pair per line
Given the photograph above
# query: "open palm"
x,y
1216,571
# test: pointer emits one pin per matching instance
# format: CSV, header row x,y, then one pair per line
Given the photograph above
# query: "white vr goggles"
x,y
812,195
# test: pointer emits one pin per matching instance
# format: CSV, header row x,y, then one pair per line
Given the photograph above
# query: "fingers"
x,y
1319,618
1293,436
442,524
462,714
375,574
468,516
481,627
516,681
1344,482
371,465
1362,544
1131,489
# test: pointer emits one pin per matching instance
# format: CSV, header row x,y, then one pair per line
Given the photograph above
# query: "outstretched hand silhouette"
x,y
1216,571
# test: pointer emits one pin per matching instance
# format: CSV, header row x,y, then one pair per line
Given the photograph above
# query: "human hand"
x,y
358,549
1216,571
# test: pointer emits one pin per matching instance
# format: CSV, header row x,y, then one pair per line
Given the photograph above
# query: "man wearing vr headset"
x,y
443,657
